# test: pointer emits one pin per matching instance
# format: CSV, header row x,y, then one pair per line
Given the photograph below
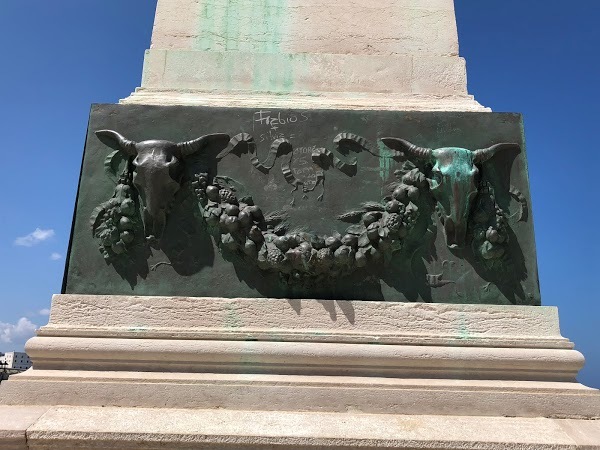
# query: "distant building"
x,y
15,360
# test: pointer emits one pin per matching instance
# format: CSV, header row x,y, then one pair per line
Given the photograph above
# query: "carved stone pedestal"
x,y
144,372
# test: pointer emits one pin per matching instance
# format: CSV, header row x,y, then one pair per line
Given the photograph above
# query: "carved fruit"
x,y
232,223
270,236
392,222
228,241
491,251
393,206
255,234
127,207
245,219
255,212
105,237
282,243
369,218
361,259
373,232
125,223
363,240
413,193
350,240
293,240
232,210
344,255
212,219
294,256
333,242
402,232
305,247
401,193
114,235
227,196
212,192
492,235
127,237
118,247
274,256
415,178
375,254
318,242
324,255
250,248
384,232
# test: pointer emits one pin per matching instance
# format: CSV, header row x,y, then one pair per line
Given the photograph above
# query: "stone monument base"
x,y
126,372
377,101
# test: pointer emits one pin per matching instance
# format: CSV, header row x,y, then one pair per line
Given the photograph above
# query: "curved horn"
x,y
190,147
407,148
482,155
117,141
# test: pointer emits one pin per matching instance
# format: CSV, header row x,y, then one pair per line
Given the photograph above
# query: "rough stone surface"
x,y
317,393
310,337
122,316
14,422
138,428
291,52
304,358
299,26
318,381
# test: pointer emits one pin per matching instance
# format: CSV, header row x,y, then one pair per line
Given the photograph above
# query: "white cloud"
x,y
13,333
55,256
44,312
37,236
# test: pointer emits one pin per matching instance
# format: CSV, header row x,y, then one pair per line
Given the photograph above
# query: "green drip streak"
x,y
232,25
278,8
288,75
385,161
206,26
463,330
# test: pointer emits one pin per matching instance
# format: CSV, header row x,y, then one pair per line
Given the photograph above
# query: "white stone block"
x,y
14,422
306,54
139,428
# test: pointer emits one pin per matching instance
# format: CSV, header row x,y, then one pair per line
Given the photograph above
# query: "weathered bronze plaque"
x,y
367,205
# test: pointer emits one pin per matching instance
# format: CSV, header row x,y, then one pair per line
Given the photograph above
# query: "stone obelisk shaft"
x,y
388,54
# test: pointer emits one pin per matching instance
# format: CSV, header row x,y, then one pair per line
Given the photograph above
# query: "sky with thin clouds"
x,y
35,237
62,56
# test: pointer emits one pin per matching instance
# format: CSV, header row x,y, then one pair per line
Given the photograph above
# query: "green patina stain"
x,y
288,75
257,73
205,26
257,28
265,22
232,26
463,331
276,23
233,318
137,329
385,161
455,166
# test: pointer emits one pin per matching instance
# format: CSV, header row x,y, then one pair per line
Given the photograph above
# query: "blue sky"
x,y
537,58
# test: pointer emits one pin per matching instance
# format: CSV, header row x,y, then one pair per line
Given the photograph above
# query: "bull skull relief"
x,y
158,168
453,181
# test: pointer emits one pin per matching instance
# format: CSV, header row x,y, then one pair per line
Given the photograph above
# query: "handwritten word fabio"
x,y
275,120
